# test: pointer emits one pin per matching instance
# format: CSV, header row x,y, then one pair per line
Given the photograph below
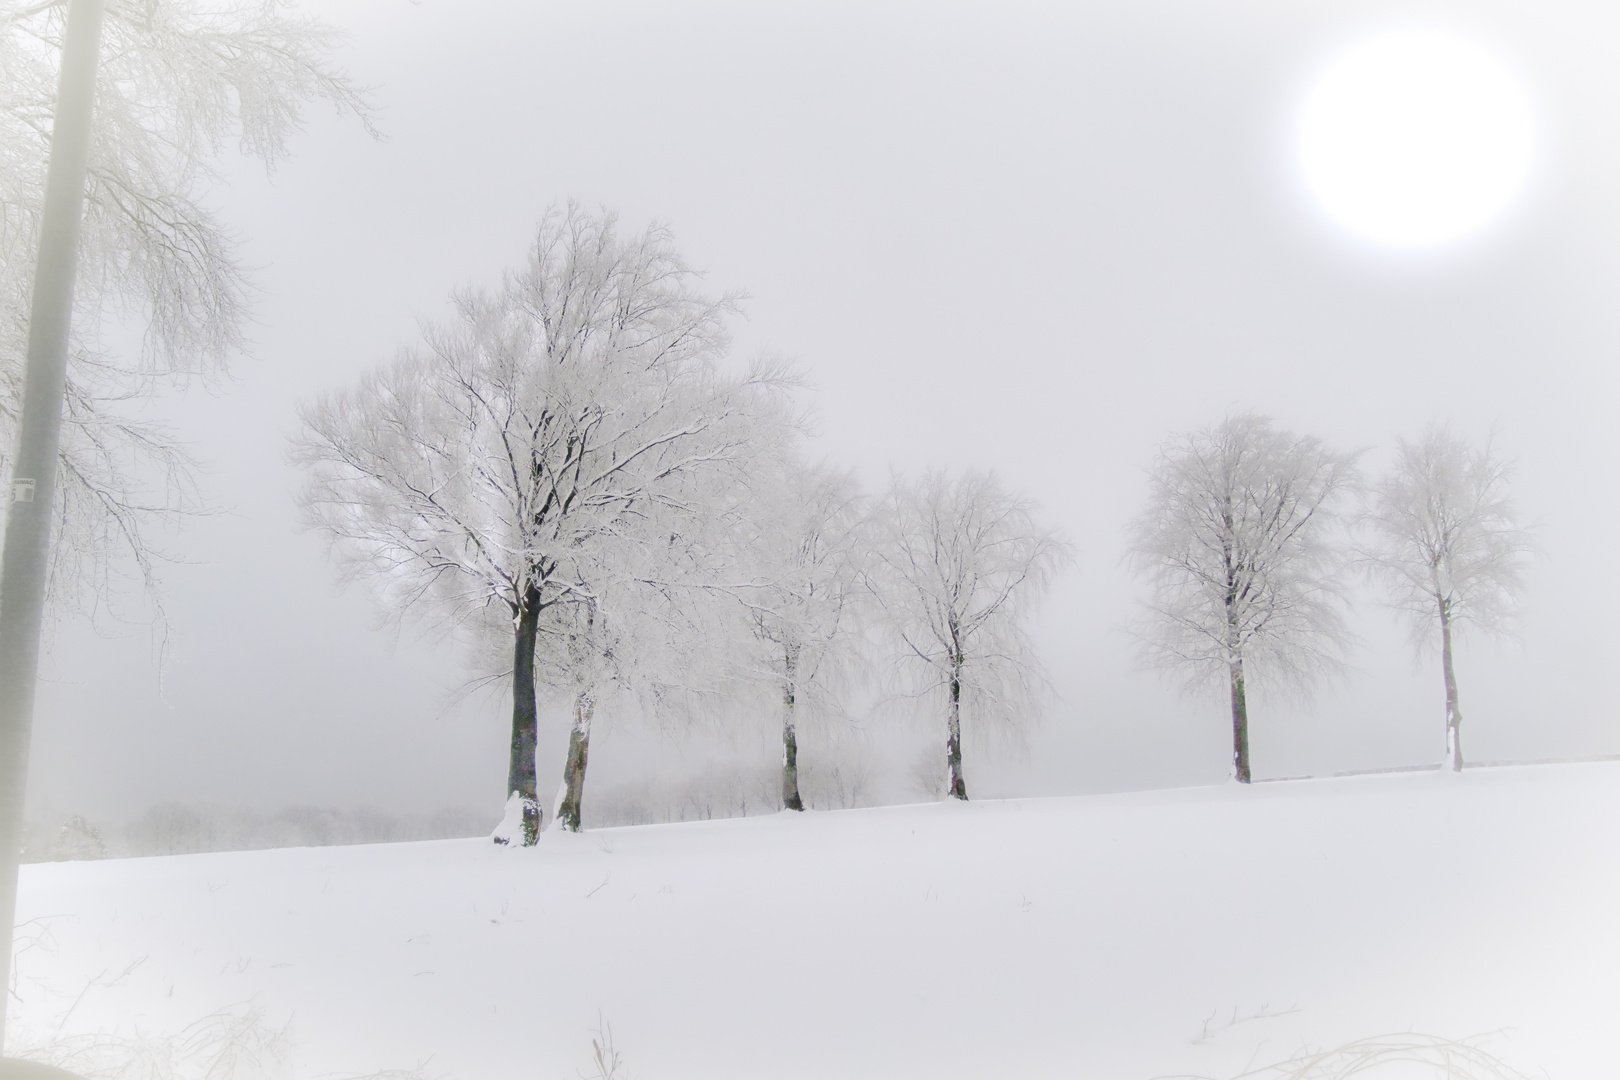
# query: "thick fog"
x,y
1037,238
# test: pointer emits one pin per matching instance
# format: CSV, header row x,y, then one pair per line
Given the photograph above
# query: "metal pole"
x,y
33,479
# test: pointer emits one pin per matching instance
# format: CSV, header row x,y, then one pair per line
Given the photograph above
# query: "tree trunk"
x,y
790,741
520,778
579,746
1240,699
1240,724
953,736
1454,759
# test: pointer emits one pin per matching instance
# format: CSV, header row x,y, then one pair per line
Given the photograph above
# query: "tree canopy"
x,y
178,81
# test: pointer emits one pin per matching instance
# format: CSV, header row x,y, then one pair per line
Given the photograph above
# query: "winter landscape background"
x,y
1036,240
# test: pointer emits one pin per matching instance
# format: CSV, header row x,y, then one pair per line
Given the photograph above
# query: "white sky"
x,y
1036,238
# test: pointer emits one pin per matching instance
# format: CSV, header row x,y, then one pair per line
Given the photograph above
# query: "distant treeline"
x,y
177,828
736,789
841,777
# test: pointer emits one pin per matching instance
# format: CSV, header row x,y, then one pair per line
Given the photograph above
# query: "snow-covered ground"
x,y
1135,935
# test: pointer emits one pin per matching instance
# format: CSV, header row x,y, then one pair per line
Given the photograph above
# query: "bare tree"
x,y
588,659
958,567
1236,549
554,424
639,639
177,81
802,534
1448,548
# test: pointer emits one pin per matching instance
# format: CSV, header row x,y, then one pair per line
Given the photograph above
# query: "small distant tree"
x,y
803,534
1448,548
1235,544
78,839
958,566
567,418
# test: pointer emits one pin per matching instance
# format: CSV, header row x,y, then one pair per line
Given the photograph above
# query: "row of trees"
x,y
588,413
567,466
566,474
1251,532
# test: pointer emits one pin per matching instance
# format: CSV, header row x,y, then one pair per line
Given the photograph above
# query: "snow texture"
x,y
1199,931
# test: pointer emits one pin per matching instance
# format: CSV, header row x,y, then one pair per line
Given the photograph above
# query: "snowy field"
x,y
1198,931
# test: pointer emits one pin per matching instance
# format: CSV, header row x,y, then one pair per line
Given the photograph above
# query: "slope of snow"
x,y
1137,935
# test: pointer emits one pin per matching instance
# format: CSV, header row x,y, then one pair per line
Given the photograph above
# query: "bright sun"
x,y
1414,139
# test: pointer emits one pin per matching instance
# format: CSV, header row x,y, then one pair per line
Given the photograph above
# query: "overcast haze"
x,y
1037,240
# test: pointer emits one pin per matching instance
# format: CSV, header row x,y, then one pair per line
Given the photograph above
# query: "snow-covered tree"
x,y
78,839
588,659
1448,547
803,538
957,568
640,641
555,423
178,80
1237,548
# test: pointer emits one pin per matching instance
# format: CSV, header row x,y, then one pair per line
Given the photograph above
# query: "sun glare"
x,y
1414,139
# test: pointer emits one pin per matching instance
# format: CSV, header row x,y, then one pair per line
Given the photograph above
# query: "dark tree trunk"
x,y
1240,699
790,764
1240,724
1453,714
579,747
953,736
790,740
520,778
